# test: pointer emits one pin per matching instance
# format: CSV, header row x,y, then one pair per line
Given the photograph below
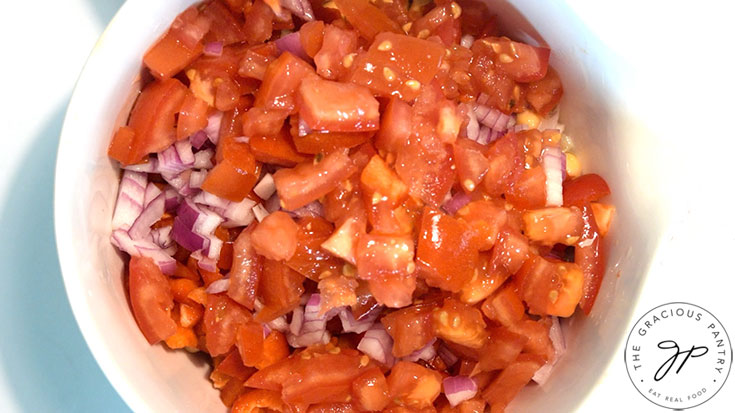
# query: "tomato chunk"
x,y
338,107
411,328
370,390
275,237
311,36
335,51
323,378
395,126
459,323
192,117
447,252
280,290
486,219
151,300
169,56
415,386
384,255
589,255
551,288
257,400
511,380
280,81
551,226
327,142
544,95
311,259
366,18
585,189
222,318
235,175
276,149
381,184
520,61
501,349
308,182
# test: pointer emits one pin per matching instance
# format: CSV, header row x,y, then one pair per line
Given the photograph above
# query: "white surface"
x,y
45,365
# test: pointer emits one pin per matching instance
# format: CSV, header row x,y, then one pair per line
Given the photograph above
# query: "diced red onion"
x,y
279,324
180,182
485,135
467,41
312,320
456,202
198,218
187,238
213,124
292,43
130,199
173,199
213,248
162,237
151,192
214,49
219,286
203,159
304,128
211,200
472,130
266,330
556,335
350,325
150,215
266,187
197,178
378,345
175,159
237,213
260,212
150,167
458,389
301,8
242,139
308,339
198,139
497,121
425,353
297,320
312,209
446,355
121,239
273,204
204,262
483,98
552,159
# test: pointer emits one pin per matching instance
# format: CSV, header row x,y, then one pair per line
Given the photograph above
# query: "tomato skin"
x,y
235,175
258,400
370,390
501,349
337,43
447,252
337,107
327,142
366,18
415,386
522,62
549,226
222,318
276,149
459,323
280,81
152,117
589,255
169,56
247,267
308,182
603,214
411,328
311,36
151,299
511,380
395,126
584,189
280,290
310,259
120,148
386,72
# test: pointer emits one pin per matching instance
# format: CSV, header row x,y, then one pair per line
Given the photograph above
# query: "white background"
x,y
45,366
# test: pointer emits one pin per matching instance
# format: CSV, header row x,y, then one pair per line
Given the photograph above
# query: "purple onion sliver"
x,y
458,389
219,286
301,8
456,202
213,49
149,167
213,125
186,237
446,355
150,215
198,139
292,43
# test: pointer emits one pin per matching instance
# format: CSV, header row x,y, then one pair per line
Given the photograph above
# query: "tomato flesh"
x,y
151,300
338,107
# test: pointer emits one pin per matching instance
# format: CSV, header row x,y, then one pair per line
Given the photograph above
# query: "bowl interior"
x,y
611,142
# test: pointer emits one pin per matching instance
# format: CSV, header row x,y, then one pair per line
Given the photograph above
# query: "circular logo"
x,y
678,355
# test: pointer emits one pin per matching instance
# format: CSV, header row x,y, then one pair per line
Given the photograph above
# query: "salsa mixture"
x,y
356,205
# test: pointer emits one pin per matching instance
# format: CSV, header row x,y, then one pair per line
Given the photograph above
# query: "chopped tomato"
x,y
276,149
259,23
551,288
338,47
501,349
323,378
257,400
235,175
384,255
603,214
414,386
337,107
233,366
151,300
280,290
590,257
506,162
192,117
528,191
152,120
327,142
222,318
511,251
366,18
308,182
426,166
487,278
459,323
250,343
440,21
336,291
311,259
486,219
121,146
511,380
447,252
395,126
246,270
256,60
520,61
411,328
393,291
170,55
397,65
585,189
544,95
343,242
381,184
262,122
275,237
504,307
227,28
280,81
311,36
549,226
471,163
370,390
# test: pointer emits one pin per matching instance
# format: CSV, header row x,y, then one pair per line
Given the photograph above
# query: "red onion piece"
x,y
312,320
213,248
260,212
266,187
197,177
312,209
173,199
557,340
187,238
301,8
447,356
150,215
180,182
151,192
472,130
266,330
213,124
214,49
483,98
273,204
198,139
203,159
238,214
552,159
458,389
162,237
378,345
297,320
456,202
279,324
292,43
308,339
467,41
175,159
121,239
150,167
130,199
425,353
219,286
485,135
204,262
350,325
